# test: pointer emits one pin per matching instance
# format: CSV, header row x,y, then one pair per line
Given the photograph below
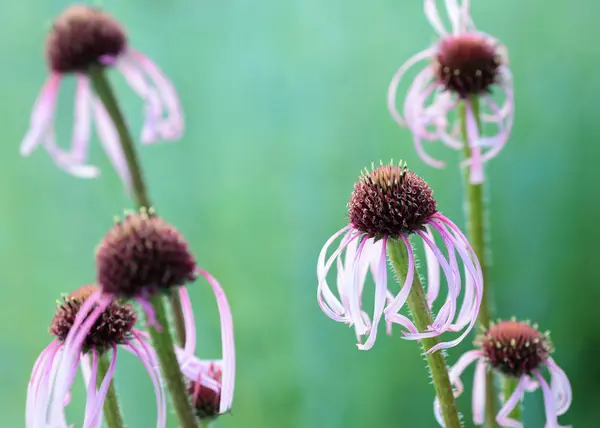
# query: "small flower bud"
x,y
204,399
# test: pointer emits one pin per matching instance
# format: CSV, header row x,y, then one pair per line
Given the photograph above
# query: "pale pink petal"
x,y
64,160
188,319
42,115
561,387
330,305
150,361
479,393
171,126
392,93
94,412
228,375
380,294
92,393
512,402
549,403
37,390
83,120
354,297
433,17
109,138
433,271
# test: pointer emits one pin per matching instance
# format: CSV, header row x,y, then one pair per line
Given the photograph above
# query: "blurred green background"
x,y
285,103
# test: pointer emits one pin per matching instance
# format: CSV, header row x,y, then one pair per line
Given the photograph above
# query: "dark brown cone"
x,y
80,36
142,255
467,64
113,326
515,348
206,401
390,201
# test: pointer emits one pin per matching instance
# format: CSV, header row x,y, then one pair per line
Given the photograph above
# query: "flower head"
x,y
83,37
518,350
143,254
111,328
391,202
464,66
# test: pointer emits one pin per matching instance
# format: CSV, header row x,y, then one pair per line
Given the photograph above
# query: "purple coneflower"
x,y
83,37
211,382
391,202
463,64
520,351
112,329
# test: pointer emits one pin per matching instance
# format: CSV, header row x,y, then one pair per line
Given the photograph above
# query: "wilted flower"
x,y
391,202
463,64
111,329
83,37
211,382
517,350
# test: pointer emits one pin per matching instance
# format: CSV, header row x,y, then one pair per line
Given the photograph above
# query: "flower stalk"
x,y
107,96
163,343
112,411
419,309
476,231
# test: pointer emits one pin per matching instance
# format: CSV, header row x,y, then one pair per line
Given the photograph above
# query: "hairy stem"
x,y
169,367
422,318
112,411
107,96
476,231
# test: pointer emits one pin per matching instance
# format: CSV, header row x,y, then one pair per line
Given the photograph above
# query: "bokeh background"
x,y
285,103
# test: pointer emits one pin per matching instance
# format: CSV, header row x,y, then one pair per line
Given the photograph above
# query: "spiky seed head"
x,y
80,37
113,327
390,201
142,255
467,64
205,400
515,348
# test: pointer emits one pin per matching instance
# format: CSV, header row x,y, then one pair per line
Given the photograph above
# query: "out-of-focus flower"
x,y
113,328
82,37
211,382
463,65
517,350
391,202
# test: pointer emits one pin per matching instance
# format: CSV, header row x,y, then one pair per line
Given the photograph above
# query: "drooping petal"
x,y
42,115
38,395
92,416
479,393
150,361
228,375
109,138
433,17
92,393
83,121
392,93
433,271
171,126
561,387
550,404
395,306
329,304
380,295
188,319
512,402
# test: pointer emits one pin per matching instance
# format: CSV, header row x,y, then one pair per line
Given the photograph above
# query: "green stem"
x,y
509,384
476,227
422,318
107,96
112,411
205,424
163,344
